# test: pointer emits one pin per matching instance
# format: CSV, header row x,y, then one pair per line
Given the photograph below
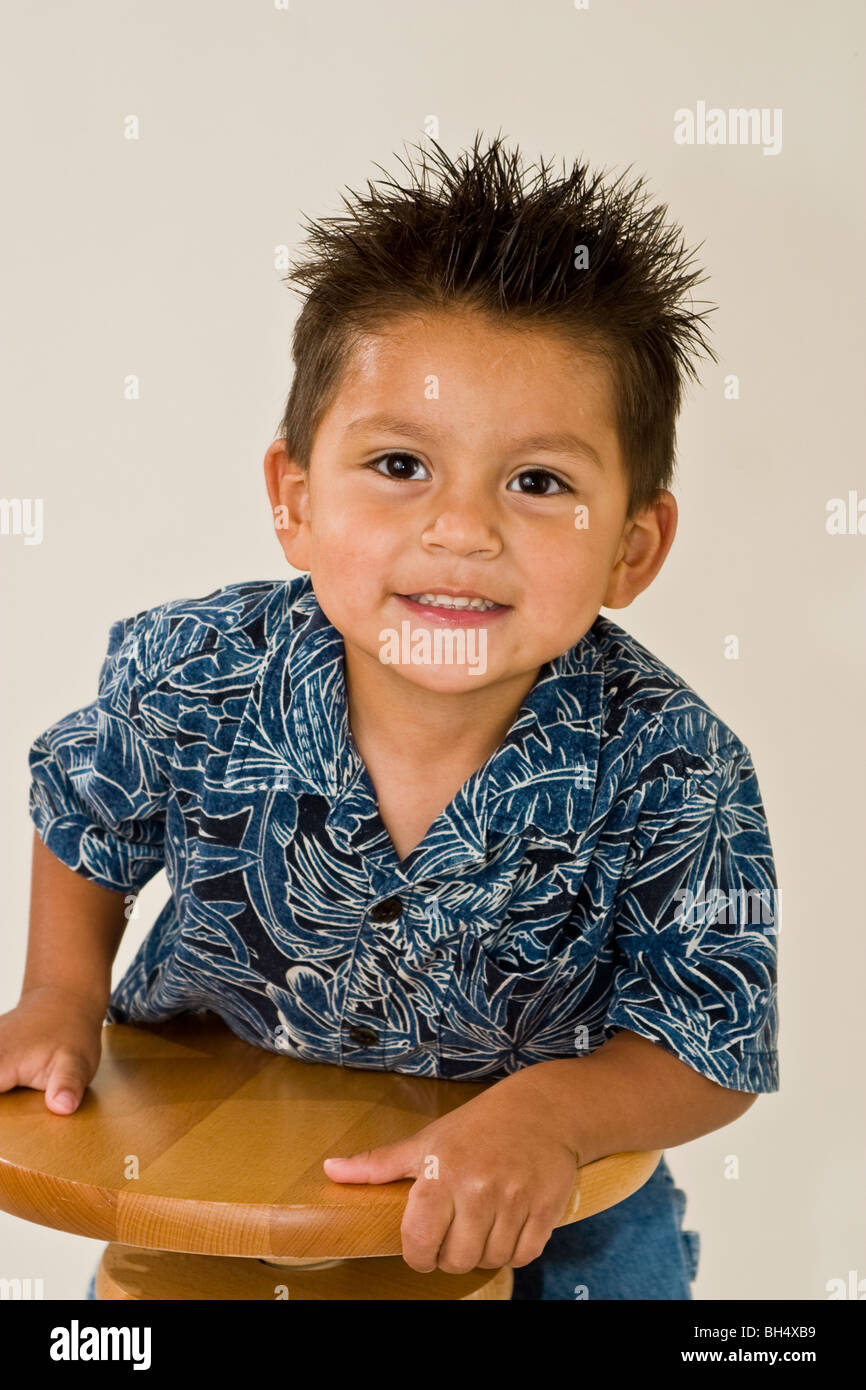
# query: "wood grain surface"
x,y
190,1139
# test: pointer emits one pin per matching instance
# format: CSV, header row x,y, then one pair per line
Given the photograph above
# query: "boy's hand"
x,y
492,1180
51,1041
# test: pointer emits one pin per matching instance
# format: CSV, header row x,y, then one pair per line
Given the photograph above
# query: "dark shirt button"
x,y
364,1037
386,911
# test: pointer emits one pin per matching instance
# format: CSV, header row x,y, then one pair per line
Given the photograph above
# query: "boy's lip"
x,y
453,593
454,617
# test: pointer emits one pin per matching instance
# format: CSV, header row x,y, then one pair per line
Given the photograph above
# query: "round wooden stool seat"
x,y
190,1142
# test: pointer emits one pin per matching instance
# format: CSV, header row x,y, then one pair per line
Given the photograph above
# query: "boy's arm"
x,y
503,1165
75,929
630,1094
98,799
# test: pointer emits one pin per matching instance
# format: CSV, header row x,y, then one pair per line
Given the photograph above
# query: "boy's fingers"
x,y
426,1221
8,1069
533,1238
502,1239
463,1246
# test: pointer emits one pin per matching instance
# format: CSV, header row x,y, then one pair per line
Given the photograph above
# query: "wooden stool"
x,y
199,1156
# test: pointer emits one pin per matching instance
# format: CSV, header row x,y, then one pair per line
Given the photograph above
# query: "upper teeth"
x,y
446,601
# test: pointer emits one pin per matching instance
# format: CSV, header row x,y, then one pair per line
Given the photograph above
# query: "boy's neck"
x,y
418,728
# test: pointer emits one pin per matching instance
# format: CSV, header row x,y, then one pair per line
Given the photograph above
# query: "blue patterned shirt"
x,y
608,867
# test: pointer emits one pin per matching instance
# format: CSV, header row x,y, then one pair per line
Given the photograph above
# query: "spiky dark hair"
x,y
482,233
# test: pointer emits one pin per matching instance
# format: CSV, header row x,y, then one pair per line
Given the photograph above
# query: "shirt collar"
x,y
294,735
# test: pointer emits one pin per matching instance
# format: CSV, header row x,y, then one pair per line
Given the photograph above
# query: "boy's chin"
x,y
457,680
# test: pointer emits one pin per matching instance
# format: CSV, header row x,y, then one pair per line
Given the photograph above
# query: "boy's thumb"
x,y
385,1164
66,1083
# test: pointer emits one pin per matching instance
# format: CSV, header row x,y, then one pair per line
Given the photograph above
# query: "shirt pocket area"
x,y
502,1011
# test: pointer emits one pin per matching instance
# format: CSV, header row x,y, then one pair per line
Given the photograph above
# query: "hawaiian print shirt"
x,y
608,867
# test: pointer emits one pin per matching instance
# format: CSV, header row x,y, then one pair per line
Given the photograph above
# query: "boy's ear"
x,y
643,549
287,488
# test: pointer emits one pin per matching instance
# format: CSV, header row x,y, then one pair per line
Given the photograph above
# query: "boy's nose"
x,y
466,529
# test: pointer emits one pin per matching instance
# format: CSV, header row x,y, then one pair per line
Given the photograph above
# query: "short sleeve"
x,y
696,930
100,776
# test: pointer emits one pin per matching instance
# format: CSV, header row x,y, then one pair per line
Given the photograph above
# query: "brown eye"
x,y
538,479
400,466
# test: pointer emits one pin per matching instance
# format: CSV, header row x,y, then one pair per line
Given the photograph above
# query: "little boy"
x,y
423,809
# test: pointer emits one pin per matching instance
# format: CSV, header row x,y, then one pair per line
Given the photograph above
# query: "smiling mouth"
x,y
455,603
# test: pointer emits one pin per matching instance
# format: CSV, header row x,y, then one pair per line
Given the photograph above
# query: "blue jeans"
x,y
635,1250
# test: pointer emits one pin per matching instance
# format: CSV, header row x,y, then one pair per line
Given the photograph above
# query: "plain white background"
x,y
157,257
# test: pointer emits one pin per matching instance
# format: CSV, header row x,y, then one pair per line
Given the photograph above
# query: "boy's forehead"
x,y
462,361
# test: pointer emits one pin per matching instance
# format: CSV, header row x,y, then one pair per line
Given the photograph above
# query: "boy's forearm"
x,y
75,930
630,1094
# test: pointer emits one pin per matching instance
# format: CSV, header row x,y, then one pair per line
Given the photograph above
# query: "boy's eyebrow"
x,y
562,442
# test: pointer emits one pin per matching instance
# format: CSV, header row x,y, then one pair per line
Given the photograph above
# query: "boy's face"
x,y
482,493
